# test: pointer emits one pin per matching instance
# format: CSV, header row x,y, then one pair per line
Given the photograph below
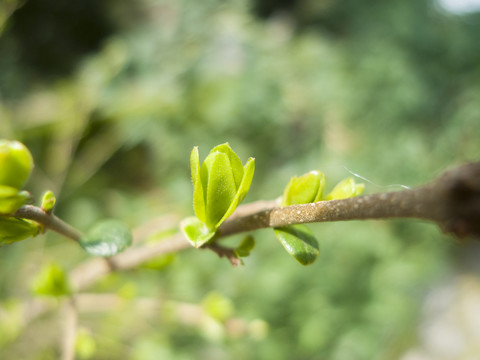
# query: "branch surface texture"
x,y
452,201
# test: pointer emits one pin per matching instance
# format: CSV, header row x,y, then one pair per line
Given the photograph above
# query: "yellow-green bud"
x,y
16,163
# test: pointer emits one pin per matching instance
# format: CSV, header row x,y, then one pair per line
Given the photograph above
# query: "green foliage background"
x,y
112,103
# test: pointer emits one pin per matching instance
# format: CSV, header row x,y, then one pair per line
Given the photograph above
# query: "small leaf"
x,y
107,238
245,247
305,189
346,188
219,185
52,281
196,232
48,201
198,193
299,242
11,199
14,229
242,191
16,163
235,162
219,181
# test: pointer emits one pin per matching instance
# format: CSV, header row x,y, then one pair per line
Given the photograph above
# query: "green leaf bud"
x,y
48,201
16,163
14,229
220,183
246,246
196,232
305,189
11,199
346,188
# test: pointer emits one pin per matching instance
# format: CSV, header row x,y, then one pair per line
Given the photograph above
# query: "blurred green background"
x,y
111,97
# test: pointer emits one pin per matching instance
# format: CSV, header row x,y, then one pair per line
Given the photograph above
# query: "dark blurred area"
x,y
52,36
111,97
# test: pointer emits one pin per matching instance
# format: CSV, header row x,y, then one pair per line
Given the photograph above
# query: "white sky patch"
x,y
460,6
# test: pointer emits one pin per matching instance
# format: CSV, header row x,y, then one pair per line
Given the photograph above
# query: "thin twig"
x,y
92,270
49,221
225,252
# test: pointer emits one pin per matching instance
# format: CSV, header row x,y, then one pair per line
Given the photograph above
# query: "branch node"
x,y
228,253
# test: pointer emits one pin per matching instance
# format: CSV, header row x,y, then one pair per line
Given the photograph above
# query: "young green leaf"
x,y
107,238
217,175
305,189
16,163
245,247
242,191
196,232
15,229
345,189
299,242
52,281
220,183
198,191
234,161
11,199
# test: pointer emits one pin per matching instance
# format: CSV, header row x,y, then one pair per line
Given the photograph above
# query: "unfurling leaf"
x,y
220,183
11,199
196,232
346,188
245,247
107,238
305,189
52,281
14,229
299,242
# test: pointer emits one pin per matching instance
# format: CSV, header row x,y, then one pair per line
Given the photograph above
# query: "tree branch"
x,y
48,220
70,329
225,252
452,201
92,270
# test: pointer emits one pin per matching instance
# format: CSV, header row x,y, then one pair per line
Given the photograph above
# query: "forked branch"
x,y
452,201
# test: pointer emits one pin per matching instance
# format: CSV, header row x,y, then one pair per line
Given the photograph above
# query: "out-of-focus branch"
x,y
70,319
92,270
